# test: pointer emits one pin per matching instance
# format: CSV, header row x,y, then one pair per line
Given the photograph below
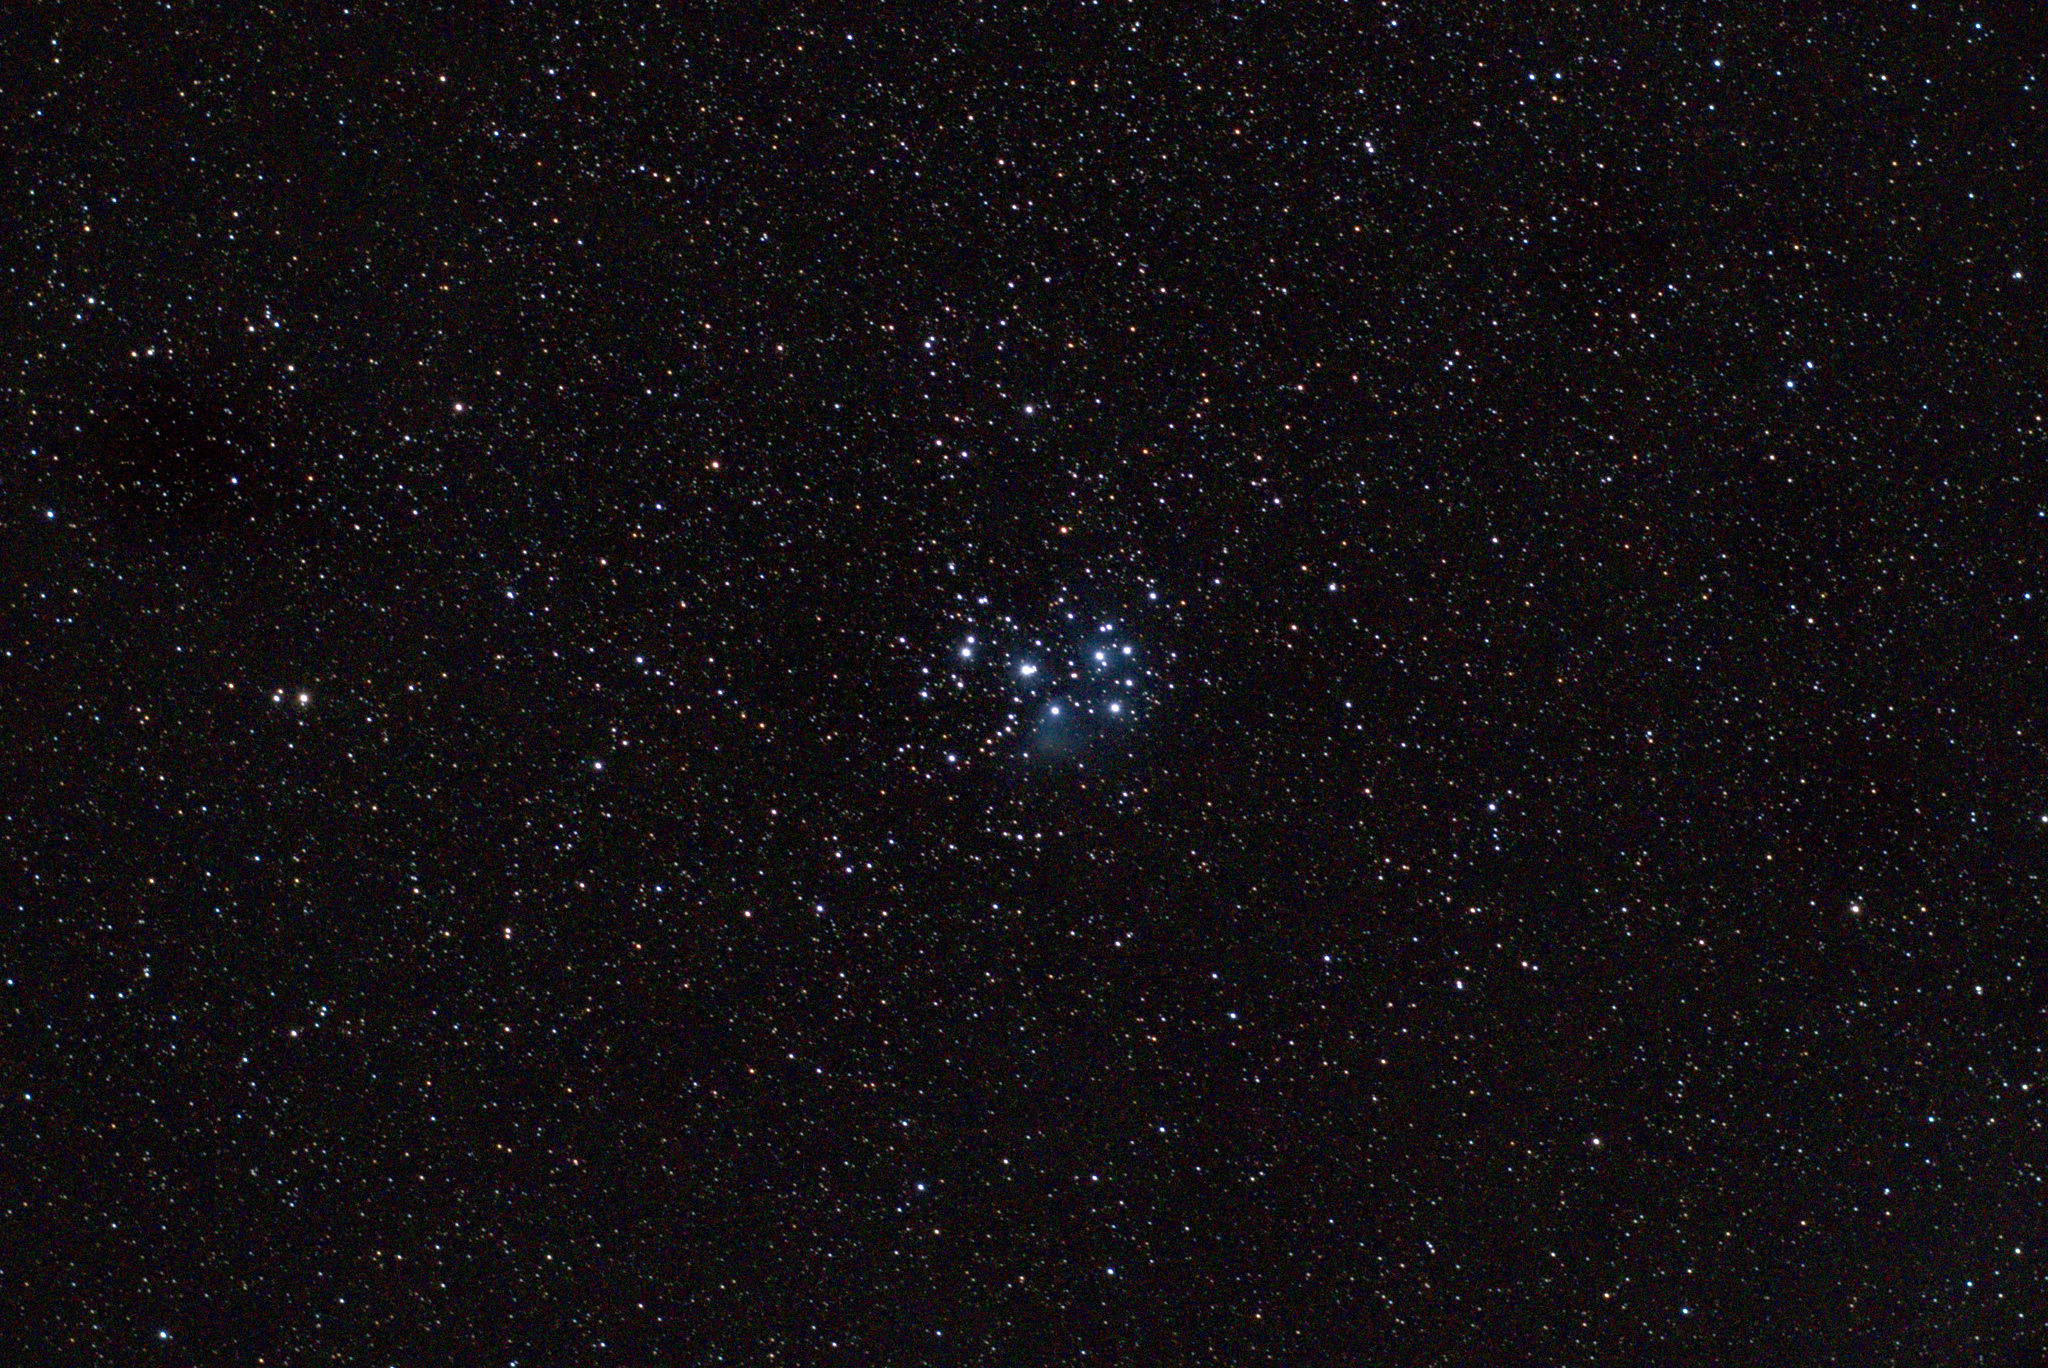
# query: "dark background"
x,y
487,487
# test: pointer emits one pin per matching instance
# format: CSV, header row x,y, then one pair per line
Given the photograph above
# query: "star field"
x,y
1076,684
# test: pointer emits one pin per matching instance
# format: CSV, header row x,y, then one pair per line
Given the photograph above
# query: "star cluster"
x,y
1062,685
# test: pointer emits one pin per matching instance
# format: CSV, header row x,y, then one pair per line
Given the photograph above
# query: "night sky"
x,y
1276,683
